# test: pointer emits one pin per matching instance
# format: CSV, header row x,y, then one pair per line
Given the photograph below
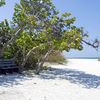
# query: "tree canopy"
x,y
37,29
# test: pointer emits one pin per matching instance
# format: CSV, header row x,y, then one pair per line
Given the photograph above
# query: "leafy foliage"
x,y
5,32
42,30
2,2
41,21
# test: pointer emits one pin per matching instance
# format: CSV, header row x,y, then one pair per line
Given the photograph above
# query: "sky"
x,y
87,13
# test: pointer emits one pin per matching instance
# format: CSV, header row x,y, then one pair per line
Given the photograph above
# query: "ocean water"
x,y
82,57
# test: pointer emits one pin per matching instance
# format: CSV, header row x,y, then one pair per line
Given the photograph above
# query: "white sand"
x,y
78,80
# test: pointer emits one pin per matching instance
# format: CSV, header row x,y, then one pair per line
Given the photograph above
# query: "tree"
x,y
39,22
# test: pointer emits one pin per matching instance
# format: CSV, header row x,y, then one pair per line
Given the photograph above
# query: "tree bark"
x,y
40,64
28,55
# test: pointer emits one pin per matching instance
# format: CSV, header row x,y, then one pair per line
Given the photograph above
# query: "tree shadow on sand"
x,y
74,76
77,77
12,79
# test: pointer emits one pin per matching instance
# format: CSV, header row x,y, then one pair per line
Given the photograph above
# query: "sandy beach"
x,y
77,80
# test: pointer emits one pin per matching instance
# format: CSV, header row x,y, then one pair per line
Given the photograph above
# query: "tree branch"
x,y
28,55
92,44
13,38
40,64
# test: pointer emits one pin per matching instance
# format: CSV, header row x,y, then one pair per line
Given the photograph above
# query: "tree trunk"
x,y
40,64
28,55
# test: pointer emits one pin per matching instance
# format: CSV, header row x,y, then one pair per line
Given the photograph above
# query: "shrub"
x,y
56,57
